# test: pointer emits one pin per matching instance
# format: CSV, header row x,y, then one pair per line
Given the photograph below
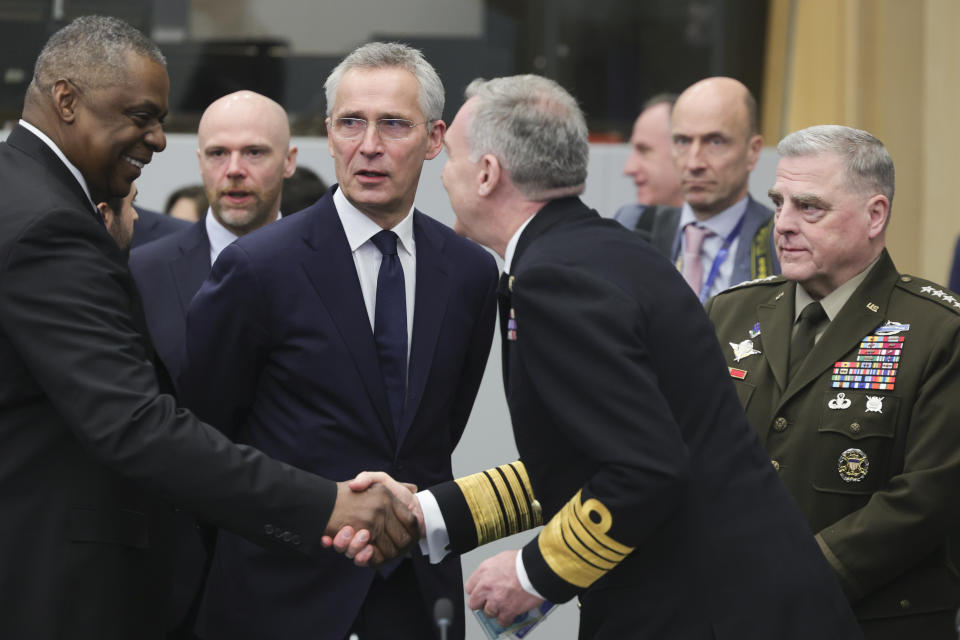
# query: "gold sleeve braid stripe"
x,y
576,547
501,501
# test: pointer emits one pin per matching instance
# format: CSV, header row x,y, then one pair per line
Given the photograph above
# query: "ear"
x,y
878,208
290,162
65,100
106,212
491,174
754,147
329,138
435,140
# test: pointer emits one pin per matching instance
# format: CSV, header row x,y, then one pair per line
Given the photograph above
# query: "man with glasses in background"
x,y
352,336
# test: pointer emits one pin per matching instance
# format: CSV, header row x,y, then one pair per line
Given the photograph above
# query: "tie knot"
x,y
386,241
694,237
503,288
812,314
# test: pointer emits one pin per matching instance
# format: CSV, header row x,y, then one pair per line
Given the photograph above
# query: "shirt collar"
x,y
833,301
359,228
220,237
70,166
512,245
721,224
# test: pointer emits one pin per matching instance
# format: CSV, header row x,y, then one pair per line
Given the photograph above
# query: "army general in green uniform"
x,y
850,372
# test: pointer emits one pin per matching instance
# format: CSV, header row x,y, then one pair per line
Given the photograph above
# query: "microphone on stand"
x,y
443,616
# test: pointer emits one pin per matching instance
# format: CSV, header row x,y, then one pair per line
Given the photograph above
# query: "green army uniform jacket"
x,y
872,460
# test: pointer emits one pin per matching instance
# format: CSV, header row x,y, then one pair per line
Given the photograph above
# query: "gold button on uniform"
x,y
780,424
776,465
855,427
906,279
904,604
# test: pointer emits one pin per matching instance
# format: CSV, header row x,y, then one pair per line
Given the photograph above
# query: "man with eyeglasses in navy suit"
x,y
352,336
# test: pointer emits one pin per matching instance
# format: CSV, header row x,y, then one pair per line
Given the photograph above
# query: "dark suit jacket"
x,y
667,518
169,273
90,445
280,355
151,225
756,255
887,533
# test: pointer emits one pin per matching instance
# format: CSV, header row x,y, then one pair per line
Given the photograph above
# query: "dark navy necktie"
x,y
390,323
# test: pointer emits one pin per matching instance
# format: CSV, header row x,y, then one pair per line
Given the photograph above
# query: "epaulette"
x,y
769,280
931,291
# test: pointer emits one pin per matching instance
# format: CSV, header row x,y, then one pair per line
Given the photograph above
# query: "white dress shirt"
x,y
367,257
219,236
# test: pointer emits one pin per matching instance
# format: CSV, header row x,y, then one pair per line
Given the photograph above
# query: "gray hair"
x,y
91,51
536,130
377,55
867,164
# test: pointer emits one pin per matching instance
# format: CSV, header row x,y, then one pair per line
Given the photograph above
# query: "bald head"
x,y
715,143
245,153
246,109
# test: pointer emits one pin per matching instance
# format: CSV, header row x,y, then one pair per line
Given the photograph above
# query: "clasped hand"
x,y
381,519
373,520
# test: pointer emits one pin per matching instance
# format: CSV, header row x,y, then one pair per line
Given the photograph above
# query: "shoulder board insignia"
x,y
931,291
769,280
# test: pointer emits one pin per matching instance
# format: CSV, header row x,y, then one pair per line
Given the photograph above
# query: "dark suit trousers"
x,y
395,610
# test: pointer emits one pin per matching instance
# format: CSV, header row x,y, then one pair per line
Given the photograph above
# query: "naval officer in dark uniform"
x,y
850,372
662,513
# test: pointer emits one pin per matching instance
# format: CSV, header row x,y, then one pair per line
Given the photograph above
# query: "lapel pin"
x,y
873,307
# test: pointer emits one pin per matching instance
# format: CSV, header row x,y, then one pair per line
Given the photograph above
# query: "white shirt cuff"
x,y
524,578
436,542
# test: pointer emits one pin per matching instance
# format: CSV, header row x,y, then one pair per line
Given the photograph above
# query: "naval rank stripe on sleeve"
x,y
500,501
575,545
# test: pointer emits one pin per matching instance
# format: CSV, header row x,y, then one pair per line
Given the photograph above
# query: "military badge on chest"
x,y
744,349
877,360
512,326
853,465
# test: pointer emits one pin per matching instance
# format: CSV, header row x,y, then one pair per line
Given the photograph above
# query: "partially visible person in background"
x,y
120,215
301,190
187,203
244,154
650,165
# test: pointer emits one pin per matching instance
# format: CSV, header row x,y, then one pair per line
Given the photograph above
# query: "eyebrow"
x,y
811,199
150,105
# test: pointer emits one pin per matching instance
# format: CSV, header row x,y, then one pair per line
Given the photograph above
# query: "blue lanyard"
x,y
720,257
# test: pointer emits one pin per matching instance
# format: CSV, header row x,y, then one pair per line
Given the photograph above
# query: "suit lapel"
x,y
776,322
27,142
430,306
192,266
331,270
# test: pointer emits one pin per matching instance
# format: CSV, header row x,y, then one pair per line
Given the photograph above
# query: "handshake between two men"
x,y
495,586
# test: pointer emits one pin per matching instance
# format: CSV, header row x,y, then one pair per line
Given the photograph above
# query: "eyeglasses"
x,y
388,128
